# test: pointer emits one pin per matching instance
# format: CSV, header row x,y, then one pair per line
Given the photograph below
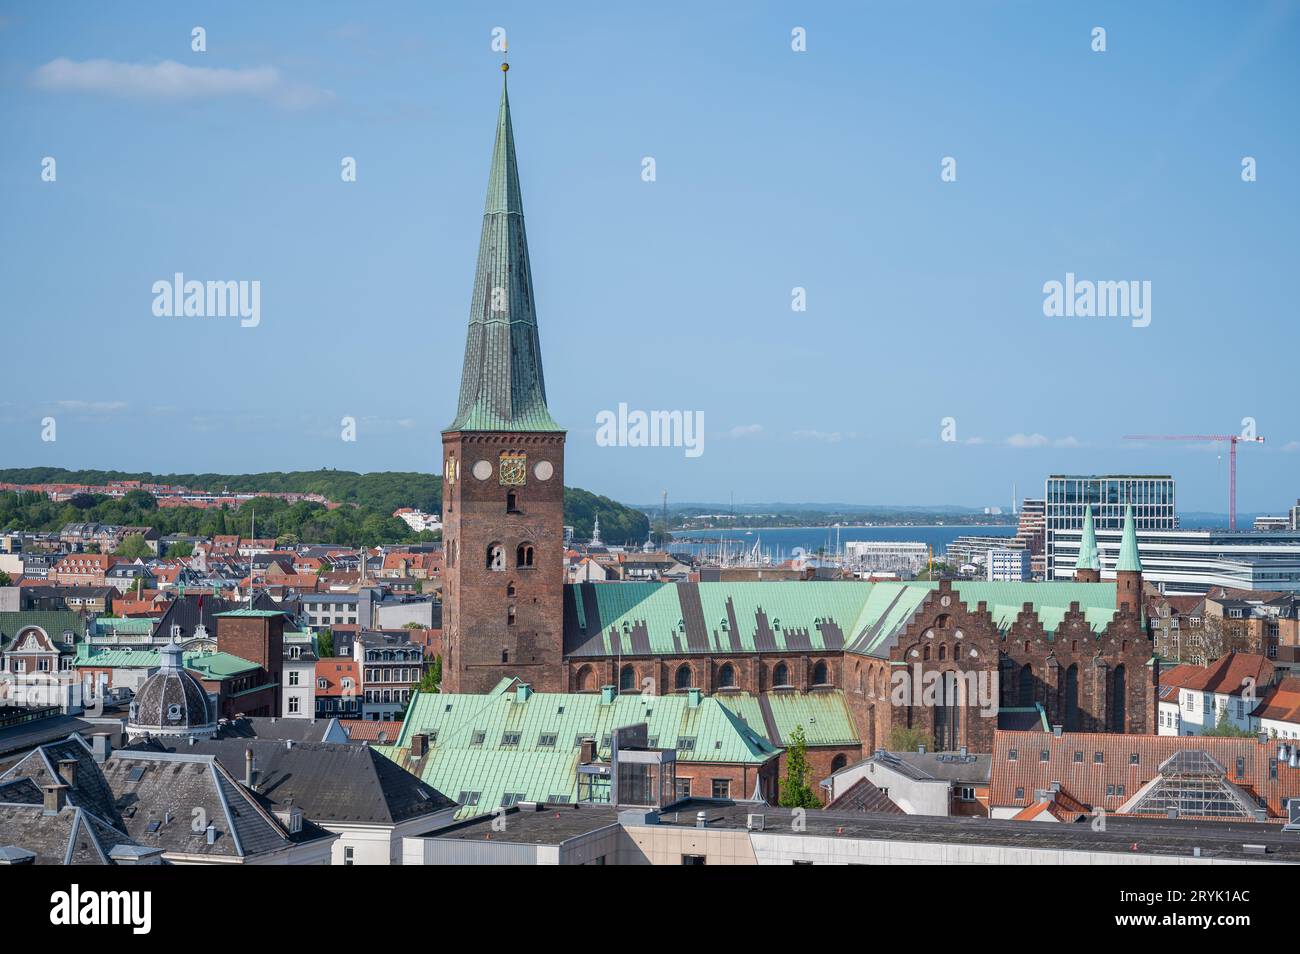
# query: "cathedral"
x,y
950,660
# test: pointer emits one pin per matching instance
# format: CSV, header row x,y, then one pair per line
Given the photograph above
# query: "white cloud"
x,y
92,407
828,437
1291,446
1028,440
170,80
1041,440
746,430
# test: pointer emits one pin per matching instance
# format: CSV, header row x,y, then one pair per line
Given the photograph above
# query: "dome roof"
x,y
171,701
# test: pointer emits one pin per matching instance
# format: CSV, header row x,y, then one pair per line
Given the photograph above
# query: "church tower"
x,y
1087,569
503,468
1128,569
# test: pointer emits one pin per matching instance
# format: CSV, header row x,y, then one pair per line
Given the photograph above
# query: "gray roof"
x,y
329,781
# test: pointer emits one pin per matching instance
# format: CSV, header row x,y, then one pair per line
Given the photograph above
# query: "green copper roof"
x,y
210,665
823,713
1089,557
493,743
1128,549
501,384
676,619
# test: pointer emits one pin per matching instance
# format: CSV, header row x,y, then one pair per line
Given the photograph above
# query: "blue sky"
x,y
775,169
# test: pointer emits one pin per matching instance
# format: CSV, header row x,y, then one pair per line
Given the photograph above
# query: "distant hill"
x,y
370,521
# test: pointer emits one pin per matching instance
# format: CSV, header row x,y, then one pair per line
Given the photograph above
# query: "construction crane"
x,y
1232,439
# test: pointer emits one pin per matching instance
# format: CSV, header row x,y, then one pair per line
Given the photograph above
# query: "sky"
x,y
774,169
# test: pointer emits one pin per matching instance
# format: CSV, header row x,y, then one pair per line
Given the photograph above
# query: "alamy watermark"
x,y
1082,298
626,428
179,298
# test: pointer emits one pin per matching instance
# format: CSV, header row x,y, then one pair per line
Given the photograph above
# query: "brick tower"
x,y
1128,569
503,468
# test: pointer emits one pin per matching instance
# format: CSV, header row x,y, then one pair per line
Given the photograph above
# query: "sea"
x,y
781,542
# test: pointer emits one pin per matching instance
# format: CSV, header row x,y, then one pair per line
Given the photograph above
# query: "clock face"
x,y
513,470
544,470
483,470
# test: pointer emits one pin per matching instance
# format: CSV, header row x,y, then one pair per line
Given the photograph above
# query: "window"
x,y
1097,758
781,675
1078,757
627,679
682,679
469,798
293,677
347,854
524,556
693,859
722,788
1020,794
509,739
726,676
295,705
686,743
510,799
1134,759
821,674
1044,755
546,740
512,502
1012,755
496,557
682,788
478,737
965,793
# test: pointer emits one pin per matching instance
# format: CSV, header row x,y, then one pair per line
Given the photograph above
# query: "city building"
x,y
338,688
1224,693
1065,498
867,556
298,697
391,668
1007,565
1194,561
913,783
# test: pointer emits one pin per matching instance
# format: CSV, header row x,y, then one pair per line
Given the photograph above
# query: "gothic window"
x,y
943,652
726,676
1026,685
925,653
627,679
781,675
496,557
839,762
682,679
821,675
941,622
524,555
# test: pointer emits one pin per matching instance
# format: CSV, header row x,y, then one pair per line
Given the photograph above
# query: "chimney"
x,y
55,797
419,745
211,832
606,695
102,747
693,697
68,770
250,770
523,692
1057,730
920,749
588,752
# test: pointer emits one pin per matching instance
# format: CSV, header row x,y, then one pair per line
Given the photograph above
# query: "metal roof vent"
x,y
701,820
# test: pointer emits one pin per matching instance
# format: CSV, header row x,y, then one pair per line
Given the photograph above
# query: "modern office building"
x,y
1150,495
1008,565
1193,561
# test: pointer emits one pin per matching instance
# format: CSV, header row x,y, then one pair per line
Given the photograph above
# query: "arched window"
x,y
510,616
781,675
496,557
941,622
1026,686
627,679
683,679
925,653
943,652
1118,690
524,555
726,676
820,674
585,680
510,589
839,762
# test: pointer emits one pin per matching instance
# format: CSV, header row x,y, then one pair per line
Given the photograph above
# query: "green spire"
x,y
1129,561
1089,558
501,384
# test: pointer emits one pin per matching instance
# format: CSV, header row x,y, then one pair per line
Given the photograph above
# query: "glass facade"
x,y
1067,496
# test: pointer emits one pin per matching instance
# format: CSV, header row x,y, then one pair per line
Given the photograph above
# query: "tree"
x,y
325,644
182,549
795,792
432,680
903,739
1225,729
4,579
133,547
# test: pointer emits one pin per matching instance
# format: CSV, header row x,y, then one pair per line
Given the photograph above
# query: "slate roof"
x,y
140,797
501,385
330,781
642,619
862,796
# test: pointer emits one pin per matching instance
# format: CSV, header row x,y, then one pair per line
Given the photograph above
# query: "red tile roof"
x,y
366,730
1231,674
1281,703
1117,777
